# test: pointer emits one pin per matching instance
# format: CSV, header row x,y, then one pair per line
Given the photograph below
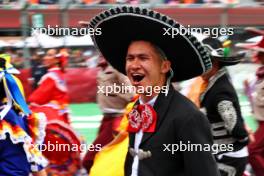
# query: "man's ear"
x,y
165,66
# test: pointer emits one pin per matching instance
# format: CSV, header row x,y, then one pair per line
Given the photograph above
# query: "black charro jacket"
x,y
221,106
179,121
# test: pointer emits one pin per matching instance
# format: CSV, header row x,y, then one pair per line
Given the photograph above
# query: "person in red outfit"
x,y
51,95
256,149
255,92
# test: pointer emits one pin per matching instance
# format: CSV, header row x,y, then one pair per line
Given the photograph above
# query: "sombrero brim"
x,y
250,46
122,25
216,50
258,46
255,30
230,60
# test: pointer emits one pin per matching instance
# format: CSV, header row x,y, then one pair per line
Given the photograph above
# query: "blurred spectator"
x,y
10,51
37,68
18,60
91,58
260,1
48,1
172,2
183,1
91,1
255,92
112,105
108,2
5,2
111,1
77,59
43,1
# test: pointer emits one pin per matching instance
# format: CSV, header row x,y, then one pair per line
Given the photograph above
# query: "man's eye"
x,y
129,58
143,58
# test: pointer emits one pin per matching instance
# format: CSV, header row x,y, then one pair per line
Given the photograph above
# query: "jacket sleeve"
x,y
43,94
197,132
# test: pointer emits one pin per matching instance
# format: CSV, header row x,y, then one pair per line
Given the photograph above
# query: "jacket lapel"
x,y
161,106
131,140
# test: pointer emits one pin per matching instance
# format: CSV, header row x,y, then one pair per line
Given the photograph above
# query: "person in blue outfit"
x,y
20,130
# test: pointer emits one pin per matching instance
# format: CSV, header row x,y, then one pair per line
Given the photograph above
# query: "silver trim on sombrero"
x,y
219,54
202,54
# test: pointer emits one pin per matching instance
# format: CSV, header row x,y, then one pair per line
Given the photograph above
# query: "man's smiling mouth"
x,y
137,77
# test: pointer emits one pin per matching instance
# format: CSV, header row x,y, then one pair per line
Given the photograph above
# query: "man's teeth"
x,y
136,74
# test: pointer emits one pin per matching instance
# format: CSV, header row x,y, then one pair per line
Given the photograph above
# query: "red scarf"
x,y
142,117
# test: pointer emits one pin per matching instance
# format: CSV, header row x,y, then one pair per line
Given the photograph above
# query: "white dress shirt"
x,y
138,139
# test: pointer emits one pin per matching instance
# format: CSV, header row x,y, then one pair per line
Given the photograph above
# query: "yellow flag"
x,y
110,161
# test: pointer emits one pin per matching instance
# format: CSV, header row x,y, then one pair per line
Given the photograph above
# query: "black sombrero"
x,y
121,25
215,47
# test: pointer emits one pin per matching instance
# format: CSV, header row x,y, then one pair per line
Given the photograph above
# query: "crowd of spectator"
x,y
91,2
77,57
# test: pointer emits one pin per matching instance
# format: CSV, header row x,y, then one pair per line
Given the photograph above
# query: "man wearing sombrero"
x,y
256,93
132,40
221,105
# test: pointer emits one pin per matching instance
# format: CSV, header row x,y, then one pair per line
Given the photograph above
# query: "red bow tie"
x,y
142,117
